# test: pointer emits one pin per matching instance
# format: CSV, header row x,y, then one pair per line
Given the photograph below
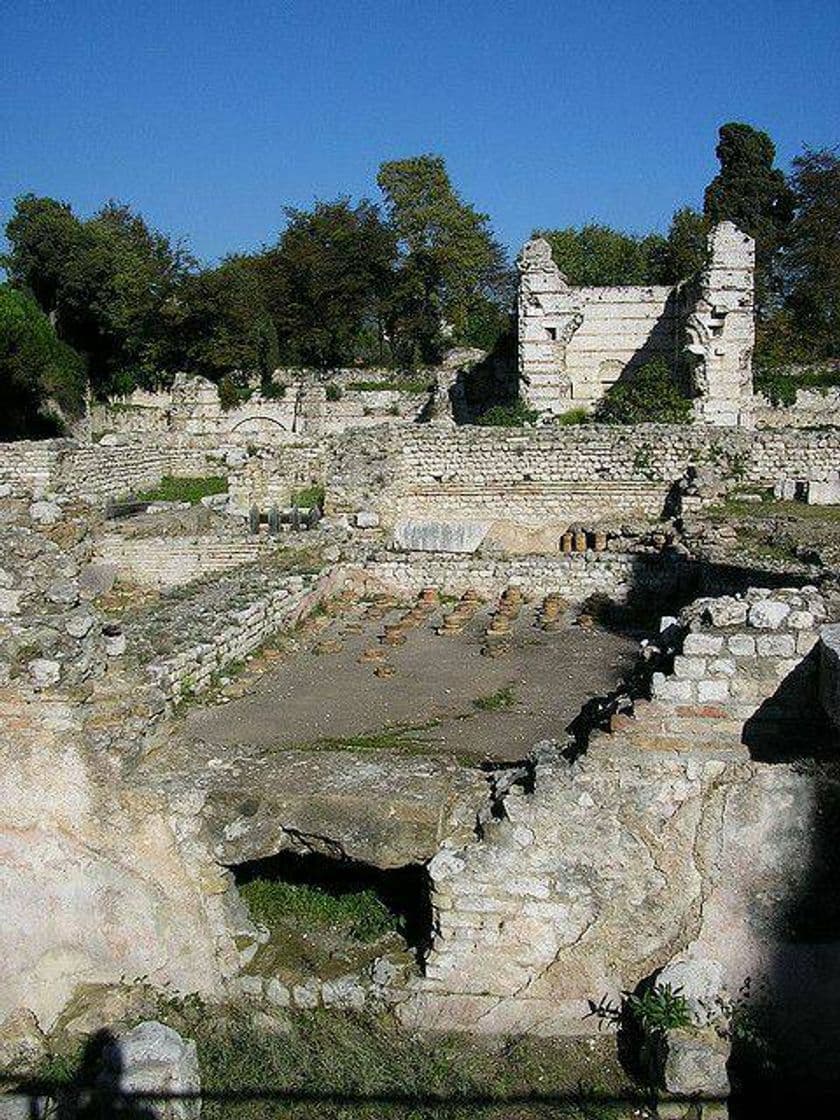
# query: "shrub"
x,y
273,390
650,395
310,496
573,416
334,393
230,393
515,415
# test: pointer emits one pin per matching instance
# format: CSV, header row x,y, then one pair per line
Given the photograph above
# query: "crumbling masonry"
x,y
574,343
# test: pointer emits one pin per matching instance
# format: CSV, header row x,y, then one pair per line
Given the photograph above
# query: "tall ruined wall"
x,y
574,343
98,880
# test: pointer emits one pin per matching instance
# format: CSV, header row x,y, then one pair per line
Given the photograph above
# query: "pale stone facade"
x,y
575,342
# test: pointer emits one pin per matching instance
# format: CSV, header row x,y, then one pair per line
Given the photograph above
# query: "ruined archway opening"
x,y
325,913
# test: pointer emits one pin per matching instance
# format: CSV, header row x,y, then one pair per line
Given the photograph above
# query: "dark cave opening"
x,y
398,896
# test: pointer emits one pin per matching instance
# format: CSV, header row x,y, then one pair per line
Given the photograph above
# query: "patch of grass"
x,y
399,737
408,385
497,701
192,490
362,1067
362,913
514,415
310,496
769,507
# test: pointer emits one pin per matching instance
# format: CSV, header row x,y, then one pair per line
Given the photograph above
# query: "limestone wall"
x,y
554,476
574,343
813,409
642,853
169,561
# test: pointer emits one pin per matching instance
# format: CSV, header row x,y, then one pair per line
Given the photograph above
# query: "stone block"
x,y
712,692
44,672
824,493
775,645
366,519
742,645
669,689
695,1064
440,536
690,668
722,666
702,644
768,614
727,611
153,1058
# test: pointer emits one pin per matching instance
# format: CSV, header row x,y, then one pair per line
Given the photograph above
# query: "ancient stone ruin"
x,y
575,342
560,703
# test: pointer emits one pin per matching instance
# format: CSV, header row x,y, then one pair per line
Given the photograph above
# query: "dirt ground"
x,y
338,684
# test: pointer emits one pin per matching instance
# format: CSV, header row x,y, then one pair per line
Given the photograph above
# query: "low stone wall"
x,y
555,475
575,577
271,476
171,561
231,635
813,408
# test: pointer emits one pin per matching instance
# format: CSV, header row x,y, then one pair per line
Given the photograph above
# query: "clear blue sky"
x,y
210,116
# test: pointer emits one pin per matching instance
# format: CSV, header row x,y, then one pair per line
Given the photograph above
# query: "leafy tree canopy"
x,y
431,219
599,256
749,191
650,395
811,260
35,368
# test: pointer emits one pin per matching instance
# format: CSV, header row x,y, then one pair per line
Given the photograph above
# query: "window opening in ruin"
x,y
320,906
551,332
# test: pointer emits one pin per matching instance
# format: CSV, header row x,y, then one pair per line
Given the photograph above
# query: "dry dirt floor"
x,y
338,684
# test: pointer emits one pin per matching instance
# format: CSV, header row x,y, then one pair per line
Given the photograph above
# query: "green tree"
x,y
752,193
684,251
648,395
599,256
223,323
327,281
105,283
437,231
811,260
35,369
44,236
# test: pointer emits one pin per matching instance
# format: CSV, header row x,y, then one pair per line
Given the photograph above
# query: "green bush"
x,y
334,393
310,496
230,393
514,415
573,416
779,387
273,390
649,395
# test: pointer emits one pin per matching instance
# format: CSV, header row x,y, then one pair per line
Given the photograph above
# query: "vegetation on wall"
x,y
650,395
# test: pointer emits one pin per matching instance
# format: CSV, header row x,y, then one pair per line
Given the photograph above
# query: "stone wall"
x,y
170,561
574,343
554,476
229,636
814,408
641,854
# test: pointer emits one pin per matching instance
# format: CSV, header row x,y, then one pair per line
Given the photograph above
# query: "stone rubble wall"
x,y
231,636
271,476
165,562
575,577
830,673
637,854
559,475
813,409
192,409
733,661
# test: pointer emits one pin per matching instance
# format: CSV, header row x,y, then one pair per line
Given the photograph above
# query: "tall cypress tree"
x,y
752,193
